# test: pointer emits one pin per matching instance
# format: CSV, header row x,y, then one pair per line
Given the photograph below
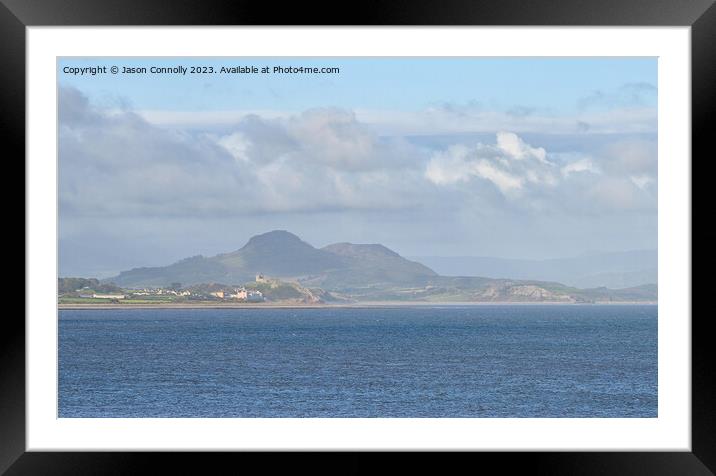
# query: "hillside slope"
x,y
281,254
612,270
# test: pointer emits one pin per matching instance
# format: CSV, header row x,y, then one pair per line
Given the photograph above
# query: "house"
x,y
239,293
255,296
109,296
219,294
260,278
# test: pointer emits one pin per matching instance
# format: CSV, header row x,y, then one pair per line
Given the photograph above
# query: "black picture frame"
x,y
700,15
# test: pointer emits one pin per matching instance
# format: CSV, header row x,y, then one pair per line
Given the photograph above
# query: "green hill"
x,y
361,272
281,254
371,265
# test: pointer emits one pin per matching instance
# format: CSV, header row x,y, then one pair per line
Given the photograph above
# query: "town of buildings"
x,y
240,294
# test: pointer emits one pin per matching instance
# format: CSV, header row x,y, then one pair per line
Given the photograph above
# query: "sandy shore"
x,y
380,304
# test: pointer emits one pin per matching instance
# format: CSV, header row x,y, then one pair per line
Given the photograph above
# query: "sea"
x,y
449,361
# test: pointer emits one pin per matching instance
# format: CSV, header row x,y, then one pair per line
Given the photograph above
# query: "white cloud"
x,y
335,138
515,147
618,179
237,144
118,164
503,180
449,167
581,165
509,165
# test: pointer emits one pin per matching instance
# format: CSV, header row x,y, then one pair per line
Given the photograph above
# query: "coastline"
x,y
357,305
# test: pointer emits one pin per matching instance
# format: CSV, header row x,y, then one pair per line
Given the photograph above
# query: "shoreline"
x,y
358,305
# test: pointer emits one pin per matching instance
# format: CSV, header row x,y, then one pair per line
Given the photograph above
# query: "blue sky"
x,y
551,84
504,157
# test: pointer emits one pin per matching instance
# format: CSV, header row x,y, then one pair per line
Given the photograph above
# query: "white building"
x,y
239,293
109,296
255,296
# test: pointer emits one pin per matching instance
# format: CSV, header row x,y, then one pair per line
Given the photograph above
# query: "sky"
x,y
504,157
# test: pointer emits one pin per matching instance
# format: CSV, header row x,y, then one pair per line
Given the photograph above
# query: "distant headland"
x,y
278,268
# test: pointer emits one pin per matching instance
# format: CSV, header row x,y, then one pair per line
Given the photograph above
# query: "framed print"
x,y
453,229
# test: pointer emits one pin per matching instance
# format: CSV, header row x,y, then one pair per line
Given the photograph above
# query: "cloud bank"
x,y
321,159
119,171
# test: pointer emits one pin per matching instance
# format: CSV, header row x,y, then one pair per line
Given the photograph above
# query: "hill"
x,y
371,265
474,289
612,270
362,272
281,254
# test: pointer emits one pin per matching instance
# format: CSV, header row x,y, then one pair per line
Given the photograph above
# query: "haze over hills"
x,y
281,254
612,270
367,272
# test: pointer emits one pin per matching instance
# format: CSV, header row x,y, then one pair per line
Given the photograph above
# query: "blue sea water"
x,y
442,361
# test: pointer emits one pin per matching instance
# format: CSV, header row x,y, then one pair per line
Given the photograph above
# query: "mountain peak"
x,y
281,254
276,240
274,236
